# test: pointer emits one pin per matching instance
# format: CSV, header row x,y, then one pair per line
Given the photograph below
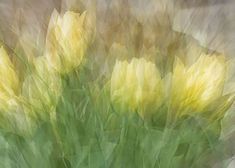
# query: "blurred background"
x,y
209,21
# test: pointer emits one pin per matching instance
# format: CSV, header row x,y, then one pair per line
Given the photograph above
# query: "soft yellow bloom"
x,y
197,86
42,88
136,85
9,83
67,40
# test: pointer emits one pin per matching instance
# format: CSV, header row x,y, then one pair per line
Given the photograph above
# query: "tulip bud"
x,y
67,40
136,85
42,88
197,86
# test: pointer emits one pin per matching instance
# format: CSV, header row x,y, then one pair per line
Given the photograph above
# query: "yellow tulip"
x,y
67,40
136,85
9,82
197,86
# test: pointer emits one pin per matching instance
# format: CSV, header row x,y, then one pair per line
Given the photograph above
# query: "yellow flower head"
x,y
9,83
67,40
136,84
197,86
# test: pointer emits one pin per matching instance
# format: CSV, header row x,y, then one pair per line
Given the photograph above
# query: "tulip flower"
x,y
196,87
67,40
136,85
9,82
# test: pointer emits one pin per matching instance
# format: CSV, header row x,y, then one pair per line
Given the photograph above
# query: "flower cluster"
x,y
65,107
191,88
37,95
136,85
